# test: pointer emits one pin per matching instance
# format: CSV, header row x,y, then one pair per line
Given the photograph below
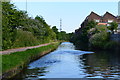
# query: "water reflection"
x,y
102,65
66,62
35,72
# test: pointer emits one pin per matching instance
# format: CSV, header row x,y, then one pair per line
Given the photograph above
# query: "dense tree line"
x,y
81,40
95,36
62,35
18,29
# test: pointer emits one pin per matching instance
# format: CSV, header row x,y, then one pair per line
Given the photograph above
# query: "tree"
x,y
81,40
98,40
16,22
55,29
91,24
113,26
61,35
8,27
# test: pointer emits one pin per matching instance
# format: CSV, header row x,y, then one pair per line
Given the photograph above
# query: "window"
x,y
96,20
109,21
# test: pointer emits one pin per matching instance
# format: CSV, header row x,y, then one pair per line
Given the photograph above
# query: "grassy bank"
x,y
15,62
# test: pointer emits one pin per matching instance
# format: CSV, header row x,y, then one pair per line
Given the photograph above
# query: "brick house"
x,y
101,20
92,16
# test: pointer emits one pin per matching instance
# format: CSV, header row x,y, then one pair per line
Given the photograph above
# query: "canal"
x,y
66,62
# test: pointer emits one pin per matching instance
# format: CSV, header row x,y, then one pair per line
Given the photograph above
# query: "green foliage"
x,y
96,28
17,59
102,28
92,31
24,38
21,30
54,28
95,36
113,26
62,35
91,24
98,40
110,45
81,40
8,28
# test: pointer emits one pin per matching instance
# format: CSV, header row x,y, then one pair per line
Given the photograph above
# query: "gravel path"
x,y
21,49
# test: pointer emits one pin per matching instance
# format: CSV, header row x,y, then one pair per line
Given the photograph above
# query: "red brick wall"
x,y
108,16
93,16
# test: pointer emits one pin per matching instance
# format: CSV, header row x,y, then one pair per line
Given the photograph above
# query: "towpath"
x,y
22,49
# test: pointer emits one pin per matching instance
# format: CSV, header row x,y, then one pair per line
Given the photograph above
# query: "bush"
x,y
98,40
101,28
24,38
35,30
110,45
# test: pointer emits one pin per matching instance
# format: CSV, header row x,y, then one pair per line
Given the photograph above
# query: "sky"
x,y
71,13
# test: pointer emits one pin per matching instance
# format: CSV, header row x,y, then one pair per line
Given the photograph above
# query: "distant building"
x,y
119,8
106,19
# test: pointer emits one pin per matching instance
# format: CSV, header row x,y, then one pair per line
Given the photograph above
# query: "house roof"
x,y
107,13
93,13
102,24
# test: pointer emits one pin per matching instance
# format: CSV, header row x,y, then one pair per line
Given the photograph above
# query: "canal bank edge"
x,y
17,69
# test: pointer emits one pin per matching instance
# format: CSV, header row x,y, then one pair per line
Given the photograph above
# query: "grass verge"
x,y
18,60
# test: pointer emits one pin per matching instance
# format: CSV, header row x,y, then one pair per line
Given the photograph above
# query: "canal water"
x,y
66,62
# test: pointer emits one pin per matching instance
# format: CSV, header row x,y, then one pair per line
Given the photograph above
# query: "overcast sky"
x,y
71,13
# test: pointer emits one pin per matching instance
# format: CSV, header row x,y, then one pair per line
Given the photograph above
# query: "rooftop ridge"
x,y
94,13
108,13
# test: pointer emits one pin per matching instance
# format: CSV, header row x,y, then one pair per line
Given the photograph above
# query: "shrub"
x,y
99,39
113,26
110,45
24,38
101,28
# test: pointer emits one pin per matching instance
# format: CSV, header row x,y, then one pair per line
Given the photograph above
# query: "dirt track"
x,y
21,49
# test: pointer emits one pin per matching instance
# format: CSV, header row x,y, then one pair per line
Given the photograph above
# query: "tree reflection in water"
x,y
102,64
